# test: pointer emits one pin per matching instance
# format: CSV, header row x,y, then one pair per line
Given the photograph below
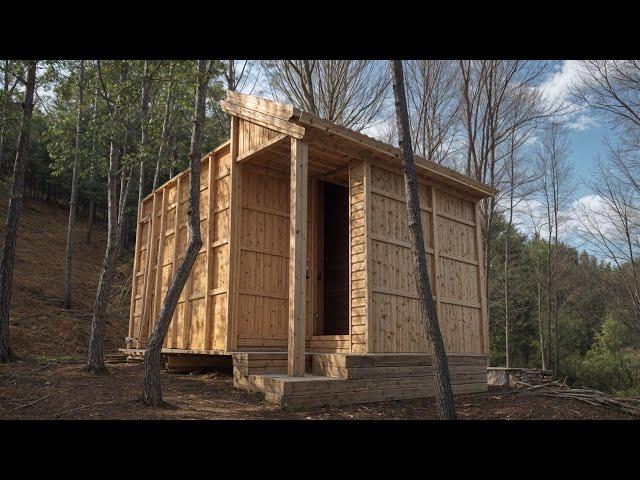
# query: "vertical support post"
x,y
373,344
235,220
174,261
297,257
436,251
484,320
134,281
208,320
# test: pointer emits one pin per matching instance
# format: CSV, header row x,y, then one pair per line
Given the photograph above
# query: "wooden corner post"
x,y
297,257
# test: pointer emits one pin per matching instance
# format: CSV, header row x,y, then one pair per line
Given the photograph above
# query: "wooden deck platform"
x,y
333,378
339,379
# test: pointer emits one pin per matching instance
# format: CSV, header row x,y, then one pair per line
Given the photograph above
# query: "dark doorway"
x,y
335,261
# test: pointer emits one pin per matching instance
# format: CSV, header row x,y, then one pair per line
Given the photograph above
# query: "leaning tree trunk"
x,y
74,191
444,393
152,393
13,216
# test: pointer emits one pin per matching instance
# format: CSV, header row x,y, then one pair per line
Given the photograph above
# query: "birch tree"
x,y
444,393
13,215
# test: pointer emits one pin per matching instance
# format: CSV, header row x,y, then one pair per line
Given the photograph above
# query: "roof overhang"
x,y
290,121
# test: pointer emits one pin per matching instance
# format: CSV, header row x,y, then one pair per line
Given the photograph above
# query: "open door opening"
x,y
333,253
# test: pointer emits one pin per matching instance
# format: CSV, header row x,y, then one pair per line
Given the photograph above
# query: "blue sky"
x,y
586,131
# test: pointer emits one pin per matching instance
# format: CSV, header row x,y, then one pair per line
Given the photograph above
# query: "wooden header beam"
x,y
297,257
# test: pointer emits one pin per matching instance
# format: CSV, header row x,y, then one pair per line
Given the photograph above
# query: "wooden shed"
x,y
305,276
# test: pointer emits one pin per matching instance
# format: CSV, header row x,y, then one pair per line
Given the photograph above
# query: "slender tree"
x,y
144,113
74,188
115,211
13,215
168,108
92,170
444,392
152,391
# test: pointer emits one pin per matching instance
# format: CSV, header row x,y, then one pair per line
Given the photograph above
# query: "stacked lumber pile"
x,y
597,398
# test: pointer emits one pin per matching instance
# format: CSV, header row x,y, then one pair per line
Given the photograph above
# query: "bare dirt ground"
x,y
31,390
49,381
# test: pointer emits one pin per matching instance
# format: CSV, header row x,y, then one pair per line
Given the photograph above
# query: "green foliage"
x,y
596,347
612,364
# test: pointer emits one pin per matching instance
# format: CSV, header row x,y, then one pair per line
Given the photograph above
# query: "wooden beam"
x,y
263,119
235,221
436,251
484,315
174,262
297,257
159,263
134,278
274,141
279,110
208,320
151,258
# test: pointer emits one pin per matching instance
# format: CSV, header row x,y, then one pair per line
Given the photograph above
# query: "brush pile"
x,y
630,406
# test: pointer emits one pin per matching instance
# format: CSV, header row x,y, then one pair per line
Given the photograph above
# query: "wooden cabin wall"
x,y
451,245
262,296
358,254
199,321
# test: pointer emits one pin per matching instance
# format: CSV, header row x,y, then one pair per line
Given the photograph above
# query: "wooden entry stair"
x,y
343,378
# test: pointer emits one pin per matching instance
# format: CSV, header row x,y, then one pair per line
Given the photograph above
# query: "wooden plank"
x,y
159,266
209,255
174,263
235,204
151,258
134,282
436,251
484,324
265,146
297,257
370,344
279,110
264,120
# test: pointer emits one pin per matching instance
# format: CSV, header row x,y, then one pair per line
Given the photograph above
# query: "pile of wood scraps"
x,y
629,406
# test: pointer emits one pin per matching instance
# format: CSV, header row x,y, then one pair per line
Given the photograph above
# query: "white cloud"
x,y
558,84
530,216
556,89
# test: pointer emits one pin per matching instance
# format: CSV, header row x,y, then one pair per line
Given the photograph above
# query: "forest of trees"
x,y
564,286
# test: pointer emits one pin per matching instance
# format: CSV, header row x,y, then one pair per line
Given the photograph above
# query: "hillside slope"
x,y
39,326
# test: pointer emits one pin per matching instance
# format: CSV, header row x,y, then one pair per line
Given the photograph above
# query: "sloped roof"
x,y
303,125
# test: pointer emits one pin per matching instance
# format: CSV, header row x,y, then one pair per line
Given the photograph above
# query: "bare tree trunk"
x,y
152,392
144,110
13,215
541,329
506,259
5,111
95,357
74,191
92,175
444,393
165,127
